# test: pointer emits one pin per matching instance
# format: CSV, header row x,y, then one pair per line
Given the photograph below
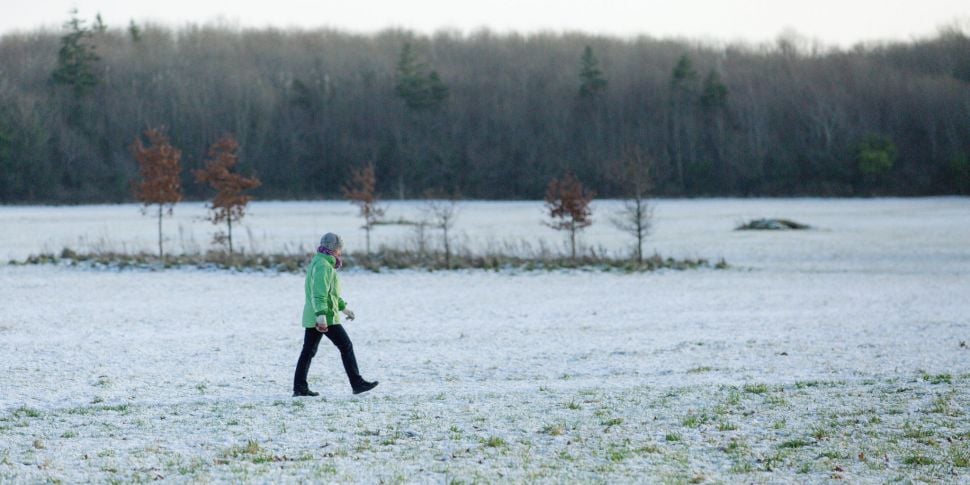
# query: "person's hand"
x,y
349,313
322,323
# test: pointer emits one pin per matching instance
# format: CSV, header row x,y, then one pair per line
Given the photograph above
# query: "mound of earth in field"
x,y
771,225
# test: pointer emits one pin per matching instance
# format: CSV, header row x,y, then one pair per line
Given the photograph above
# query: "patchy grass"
x,y
944,404
796,443
959,455
681,433
918,459
726,426
26,412
756,388
938,378
383,259
694,420
494,442
251,452
612,422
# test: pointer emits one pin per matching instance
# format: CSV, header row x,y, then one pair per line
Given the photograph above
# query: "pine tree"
x,y
420,88
134,31
76,58
8,172
713,93
684,76
591,78
99,25
683,84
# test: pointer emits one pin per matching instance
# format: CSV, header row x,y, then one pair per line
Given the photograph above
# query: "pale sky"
x,y
833,22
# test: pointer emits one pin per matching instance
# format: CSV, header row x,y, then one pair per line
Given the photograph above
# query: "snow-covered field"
x,y
840,352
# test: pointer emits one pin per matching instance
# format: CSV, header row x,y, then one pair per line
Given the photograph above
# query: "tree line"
x,y
482,115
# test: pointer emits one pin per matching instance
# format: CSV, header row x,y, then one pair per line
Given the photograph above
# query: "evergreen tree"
x,y
134,31
99,25
591,80
683,79
683,84
419,87
76,58
958,173
713,92
8,172
25,164
875,155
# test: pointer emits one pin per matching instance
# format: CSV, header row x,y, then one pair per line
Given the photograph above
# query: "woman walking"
x,y
321,316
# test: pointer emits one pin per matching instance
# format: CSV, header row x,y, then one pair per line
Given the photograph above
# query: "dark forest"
x,y
482,115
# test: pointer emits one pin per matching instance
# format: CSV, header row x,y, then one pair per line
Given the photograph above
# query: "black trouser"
x,y
311,339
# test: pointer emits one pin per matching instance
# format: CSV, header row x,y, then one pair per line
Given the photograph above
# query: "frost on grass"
x,y
674,433
512,379
831,354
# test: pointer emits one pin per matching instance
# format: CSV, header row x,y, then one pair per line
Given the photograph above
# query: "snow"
x,y
815,347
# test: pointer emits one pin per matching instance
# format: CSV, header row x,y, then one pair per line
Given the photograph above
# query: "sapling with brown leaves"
x,y
361,191
159,167
567,203
230,201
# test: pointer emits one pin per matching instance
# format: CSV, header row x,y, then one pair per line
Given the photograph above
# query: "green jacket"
x,y
322,290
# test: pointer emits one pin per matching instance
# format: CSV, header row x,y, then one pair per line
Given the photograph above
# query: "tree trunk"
x,y
639,230
229,222
572,239
160,254
447,250
367,234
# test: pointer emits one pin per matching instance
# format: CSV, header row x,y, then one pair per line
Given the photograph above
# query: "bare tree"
x,y
636,216
361,192
443,210
159,168
568,204
229,202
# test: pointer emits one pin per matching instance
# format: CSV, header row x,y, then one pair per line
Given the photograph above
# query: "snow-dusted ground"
x,y
834,353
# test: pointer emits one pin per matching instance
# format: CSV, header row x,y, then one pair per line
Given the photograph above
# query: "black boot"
x,y
305,392
364,386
